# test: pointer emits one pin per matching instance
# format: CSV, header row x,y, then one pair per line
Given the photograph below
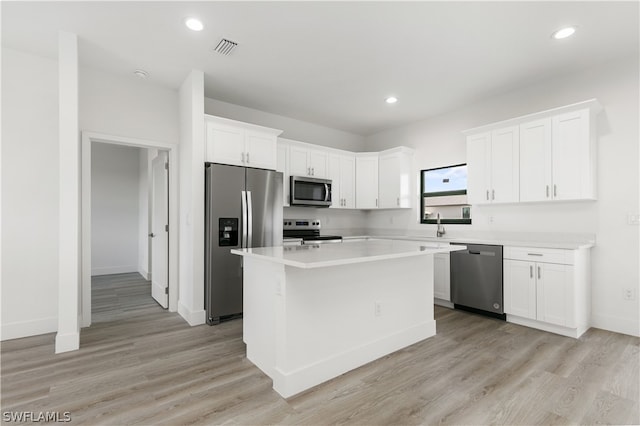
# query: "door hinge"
x,y
166,228
166,166
166,290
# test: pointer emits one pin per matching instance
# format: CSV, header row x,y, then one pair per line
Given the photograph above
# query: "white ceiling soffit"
x,y
334,63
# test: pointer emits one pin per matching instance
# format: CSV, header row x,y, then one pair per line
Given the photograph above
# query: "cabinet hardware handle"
x,y
344,201
308,171
539,272
243,157
530,271
555,190
547,191
398,201
247,157
493,194
534,254
487,195
376,202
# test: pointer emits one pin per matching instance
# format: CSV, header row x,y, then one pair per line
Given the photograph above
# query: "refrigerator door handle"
x,y
249,220
243,243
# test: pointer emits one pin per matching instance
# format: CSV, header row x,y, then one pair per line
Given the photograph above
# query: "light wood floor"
x,y
147,366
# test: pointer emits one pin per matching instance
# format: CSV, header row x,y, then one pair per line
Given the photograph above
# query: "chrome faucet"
x,y
440,230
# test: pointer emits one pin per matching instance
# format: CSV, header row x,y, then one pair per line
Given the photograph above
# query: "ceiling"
x,y
334,63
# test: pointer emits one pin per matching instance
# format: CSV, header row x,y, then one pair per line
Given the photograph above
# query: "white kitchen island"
x,y
313,312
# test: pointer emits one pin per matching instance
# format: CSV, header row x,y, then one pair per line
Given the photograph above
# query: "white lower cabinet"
x,y
441,278
548,289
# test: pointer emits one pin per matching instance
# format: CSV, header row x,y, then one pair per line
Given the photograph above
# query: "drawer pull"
x,y
535,254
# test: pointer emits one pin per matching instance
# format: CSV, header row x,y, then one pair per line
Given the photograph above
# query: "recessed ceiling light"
x,y
563,33
194,24
141,74
391,100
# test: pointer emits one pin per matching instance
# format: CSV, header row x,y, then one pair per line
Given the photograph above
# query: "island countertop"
x,y
349,252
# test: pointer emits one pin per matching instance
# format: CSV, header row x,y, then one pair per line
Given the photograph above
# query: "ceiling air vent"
x,y
225,46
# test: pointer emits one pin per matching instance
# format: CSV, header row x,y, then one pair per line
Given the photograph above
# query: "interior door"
x,y
159,229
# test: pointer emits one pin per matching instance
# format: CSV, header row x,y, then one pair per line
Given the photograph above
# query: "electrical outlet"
x,y
629,294
377,309
633,219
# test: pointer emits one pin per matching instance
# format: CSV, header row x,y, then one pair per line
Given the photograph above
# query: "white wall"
x,y
292,129
115,197
439,142
30,194
127,106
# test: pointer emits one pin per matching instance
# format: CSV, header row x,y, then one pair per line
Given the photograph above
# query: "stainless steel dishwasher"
x,y
476,279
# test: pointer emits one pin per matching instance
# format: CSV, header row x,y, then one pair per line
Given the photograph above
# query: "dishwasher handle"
x,y
481,253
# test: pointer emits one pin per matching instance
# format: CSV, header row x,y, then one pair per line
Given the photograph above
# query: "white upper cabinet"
x,y
557,157
395,168
342,171
493,166
544,156
367,180
305,160
535,160
573,156
282,166
240,144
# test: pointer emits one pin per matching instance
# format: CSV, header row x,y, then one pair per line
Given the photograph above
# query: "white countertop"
x,y
324,255
494,240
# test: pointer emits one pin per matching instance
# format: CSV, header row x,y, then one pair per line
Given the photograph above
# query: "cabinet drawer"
x,y
531,254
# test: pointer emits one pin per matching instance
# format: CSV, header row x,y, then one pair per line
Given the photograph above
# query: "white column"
x,y
68,337
191,253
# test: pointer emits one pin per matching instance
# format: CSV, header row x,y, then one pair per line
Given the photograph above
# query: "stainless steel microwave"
x,y
312,192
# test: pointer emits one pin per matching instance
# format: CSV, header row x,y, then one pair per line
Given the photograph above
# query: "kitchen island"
x,y
313,312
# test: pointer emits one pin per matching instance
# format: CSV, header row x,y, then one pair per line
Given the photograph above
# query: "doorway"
x,y
158,269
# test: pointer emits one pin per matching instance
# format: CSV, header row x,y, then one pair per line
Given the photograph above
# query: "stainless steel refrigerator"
x,y
243,208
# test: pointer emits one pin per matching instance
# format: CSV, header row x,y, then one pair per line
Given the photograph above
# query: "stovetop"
x,y
307,229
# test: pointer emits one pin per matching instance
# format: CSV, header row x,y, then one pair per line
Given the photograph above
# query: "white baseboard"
x,y
19,329
616,324
67,342
108,270
289,383
145,274
192,317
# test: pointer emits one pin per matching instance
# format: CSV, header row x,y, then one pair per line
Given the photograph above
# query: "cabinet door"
x,y
348,180
225,144
505,161
571,156
389,181
478,168
318,163
367,182
281,166
336,187
298,164
261,150
554,294
441,277
520,288
535,160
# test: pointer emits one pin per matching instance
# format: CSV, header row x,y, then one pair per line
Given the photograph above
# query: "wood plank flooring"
x,y
143,365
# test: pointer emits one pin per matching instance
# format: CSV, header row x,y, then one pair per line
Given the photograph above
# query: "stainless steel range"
x,y
308,230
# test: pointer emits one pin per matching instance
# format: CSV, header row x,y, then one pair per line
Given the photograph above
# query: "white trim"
x,y
67,342
16,330
108,270
87,139
192,317
68,336
545,326
616,324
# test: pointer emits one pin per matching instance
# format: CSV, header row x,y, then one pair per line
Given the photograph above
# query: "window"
x,y
444,186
